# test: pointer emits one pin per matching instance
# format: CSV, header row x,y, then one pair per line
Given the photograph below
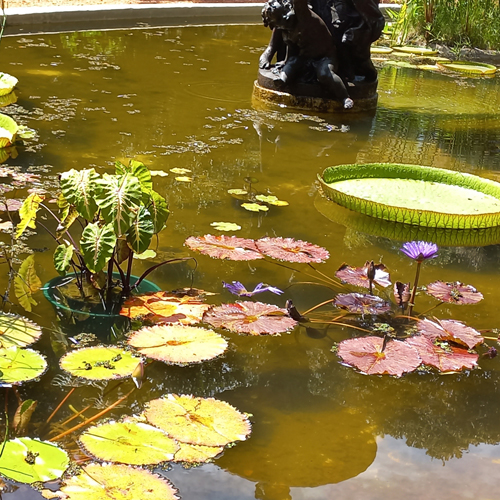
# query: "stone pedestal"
x,y
312,97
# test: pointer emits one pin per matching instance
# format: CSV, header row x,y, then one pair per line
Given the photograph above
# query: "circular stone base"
x,y
312,97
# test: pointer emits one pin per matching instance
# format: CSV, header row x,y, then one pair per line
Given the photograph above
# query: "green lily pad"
x,y
148,254
17,331
7,83
196,454
129,442
380,50
20,365
397,192
419,51
181,171
117,482
30,460
271,200
99,363
254,207
225,226
237,192
475,68
8,130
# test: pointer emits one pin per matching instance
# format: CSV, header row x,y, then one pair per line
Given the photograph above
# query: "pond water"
x,y
181,98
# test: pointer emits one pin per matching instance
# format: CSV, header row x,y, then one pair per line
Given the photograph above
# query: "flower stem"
x,y
414,291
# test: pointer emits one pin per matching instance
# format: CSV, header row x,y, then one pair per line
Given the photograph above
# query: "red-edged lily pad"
x,y
450,330
254,318
365,354
454,293
224,247
291,250
359,303
444,357
358,276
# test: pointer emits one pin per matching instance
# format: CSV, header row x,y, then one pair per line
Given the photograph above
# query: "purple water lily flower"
x,y
420,250
239,289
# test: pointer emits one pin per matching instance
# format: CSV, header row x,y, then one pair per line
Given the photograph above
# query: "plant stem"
x,y
317,306
414,291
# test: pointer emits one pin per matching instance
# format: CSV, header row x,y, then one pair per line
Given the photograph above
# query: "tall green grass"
x,y
473,23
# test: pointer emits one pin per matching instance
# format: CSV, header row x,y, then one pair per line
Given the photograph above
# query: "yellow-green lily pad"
x,y
237,192
7,83
475,68
381,50
129,442
271,200
17,331
254,207
99,363
20,365
419,51
196,454
8,130
180,171
184,179
225,226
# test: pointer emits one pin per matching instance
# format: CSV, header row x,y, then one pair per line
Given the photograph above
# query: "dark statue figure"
x,y
327,41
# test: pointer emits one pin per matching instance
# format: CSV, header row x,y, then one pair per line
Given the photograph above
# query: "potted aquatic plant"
x,y
118,216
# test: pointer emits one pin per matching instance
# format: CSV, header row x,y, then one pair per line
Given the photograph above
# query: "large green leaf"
x,y
27,213
129,442
97,245
139,170
26,283
158,207
7,83
119,197
62,258
17,331
141,231
8,130
475,68
70,215
415,195
79,187
30,460
20,365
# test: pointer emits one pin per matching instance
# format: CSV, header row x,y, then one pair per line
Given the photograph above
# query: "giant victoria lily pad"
x,y
20,365
398,192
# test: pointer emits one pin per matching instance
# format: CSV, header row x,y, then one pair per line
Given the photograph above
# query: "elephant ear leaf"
x,y
79,188
141,231
62,258
97,245
139,170
158,207
26,283
119,198
27,213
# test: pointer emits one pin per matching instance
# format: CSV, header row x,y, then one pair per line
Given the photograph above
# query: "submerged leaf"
x,y
367,354
291,250
31,460
450,330
359,303
224,247
99,363
20,365
117,482
201,421
178,344
129,442
165,307
454,293
17,331
254,318
358,276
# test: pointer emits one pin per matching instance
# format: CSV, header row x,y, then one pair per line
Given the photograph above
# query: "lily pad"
x,y
99,363
454,292
180,171
475,68
31,460
271,200
254,318
20,365
450,330
358,276
129,442
291,250
419,51
225,226
7,83
165,307
224,247
397,192
117,482
254,207
380,50
178,344
237,192
200,421
8,130
193,453
367,354
17,331
359,303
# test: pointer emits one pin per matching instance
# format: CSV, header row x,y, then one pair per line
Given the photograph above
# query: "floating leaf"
x,y
476,68
192,453
10,205
359,303
225,226
8,130
184,179
17,331
148,254
421,51
358,276
158,173
99,363
444,357
237,192
181,171
26,283
291,250
7,83
20,365
254,207
117,482
178,344
454,293
201,421
450,330
224,247
30,460
254,318
129,442
271,200
164,307
366,354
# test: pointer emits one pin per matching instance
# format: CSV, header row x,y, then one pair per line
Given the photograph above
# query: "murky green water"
x,y
182,98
